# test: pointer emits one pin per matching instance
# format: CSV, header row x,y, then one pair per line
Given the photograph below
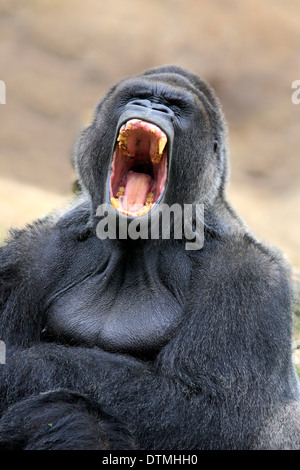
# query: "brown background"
x,y
58,57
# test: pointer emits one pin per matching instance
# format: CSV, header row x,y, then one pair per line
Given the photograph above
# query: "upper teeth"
x,y
125,132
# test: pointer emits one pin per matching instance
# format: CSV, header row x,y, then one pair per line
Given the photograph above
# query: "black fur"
x,y
61,420
115,344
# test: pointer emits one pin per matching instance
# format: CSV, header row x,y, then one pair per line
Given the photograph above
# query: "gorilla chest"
x,y
132,309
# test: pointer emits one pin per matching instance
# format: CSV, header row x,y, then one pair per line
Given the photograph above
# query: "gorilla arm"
x,y
33,367
43,383
20,292
238,347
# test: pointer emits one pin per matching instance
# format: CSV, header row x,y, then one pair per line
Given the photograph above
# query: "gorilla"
x,y
147,342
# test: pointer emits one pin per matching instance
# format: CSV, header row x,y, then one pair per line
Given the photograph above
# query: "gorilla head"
x,y
158,137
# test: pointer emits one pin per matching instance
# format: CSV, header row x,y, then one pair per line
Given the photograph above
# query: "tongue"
x,y
136,190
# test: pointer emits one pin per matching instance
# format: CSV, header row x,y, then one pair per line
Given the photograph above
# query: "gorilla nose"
x,y
151,107
150,111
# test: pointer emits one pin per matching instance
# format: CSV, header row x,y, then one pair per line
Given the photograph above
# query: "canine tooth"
x,y
161,144
114,202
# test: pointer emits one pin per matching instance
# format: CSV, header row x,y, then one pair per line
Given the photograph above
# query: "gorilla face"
x,y
158,137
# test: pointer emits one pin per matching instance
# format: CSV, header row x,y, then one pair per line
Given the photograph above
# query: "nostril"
x,y
144,103
151,107
162,108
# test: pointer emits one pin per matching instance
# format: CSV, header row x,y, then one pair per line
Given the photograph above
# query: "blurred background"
x,y
58,58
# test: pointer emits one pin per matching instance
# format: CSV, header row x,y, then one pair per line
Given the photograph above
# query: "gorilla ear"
x,y
216,144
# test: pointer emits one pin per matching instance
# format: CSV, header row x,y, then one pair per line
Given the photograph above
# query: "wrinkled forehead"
x,y
169,88
165,86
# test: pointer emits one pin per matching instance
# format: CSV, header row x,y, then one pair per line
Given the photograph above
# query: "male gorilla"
x,y
122,343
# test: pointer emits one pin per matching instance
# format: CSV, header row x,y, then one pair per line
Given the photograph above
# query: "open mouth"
x,y
139,168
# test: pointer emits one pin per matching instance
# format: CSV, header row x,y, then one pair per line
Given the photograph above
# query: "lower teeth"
x,y
116,202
